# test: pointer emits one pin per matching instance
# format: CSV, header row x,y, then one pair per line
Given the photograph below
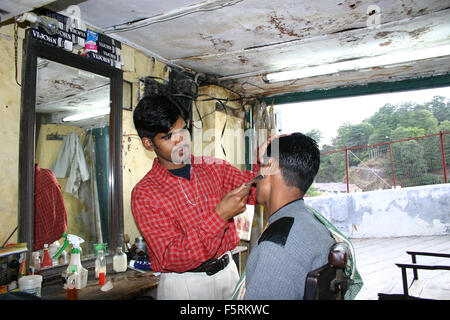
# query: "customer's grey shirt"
x,y
293,244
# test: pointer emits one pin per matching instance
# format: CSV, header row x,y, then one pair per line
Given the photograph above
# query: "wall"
x,y
10,96
207,138
414,211
136,160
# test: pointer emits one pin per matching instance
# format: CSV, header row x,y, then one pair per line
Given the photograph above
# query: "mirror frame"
x,y
32,49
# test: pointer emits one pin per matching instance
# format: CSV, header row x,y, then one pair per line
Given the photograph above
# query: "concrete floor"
x,y
376,258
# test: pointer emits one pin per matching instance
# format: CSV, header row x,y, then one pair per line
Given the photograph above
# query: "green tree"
x,y
412,159
420,118
353,135
316,134
433,151
406,133
332,167
408,160
444,126
380,134
312,192
385,116
440,108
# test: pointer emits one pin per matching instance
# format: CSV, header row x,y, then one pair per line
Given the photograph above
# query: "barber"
x,y
184,207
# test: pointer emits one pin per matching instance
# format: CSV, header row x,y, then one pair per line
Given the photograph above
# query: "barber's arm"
x,y
175,249
233,178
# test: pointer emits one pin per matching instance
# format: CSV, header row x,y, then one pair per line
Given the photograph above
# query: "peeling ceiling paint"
x,y
238,41
62,91
12,8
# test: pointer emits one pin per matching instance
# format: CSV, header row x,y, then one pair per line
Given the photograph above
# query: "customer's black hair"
x,y
156,114
298,157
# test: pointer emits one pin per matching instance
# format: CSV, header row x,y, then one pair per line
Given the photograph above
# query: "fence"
x,y
392,164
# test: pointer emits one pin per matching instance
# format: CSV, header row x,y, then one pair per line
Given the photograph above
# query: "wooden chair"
x,y
329,282
416,267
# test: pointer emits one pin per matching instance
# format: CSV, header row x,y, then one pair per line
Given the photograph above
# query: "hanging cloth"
x,y
50,218
88,192
72,163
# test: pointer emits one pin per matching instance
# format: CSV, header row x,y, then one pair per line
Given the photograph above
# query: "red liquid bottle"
x,y
46,259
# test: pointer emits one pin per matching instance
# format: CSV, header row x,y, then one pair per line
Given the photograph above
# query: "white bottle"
x,y
100,264
53,249
80,273
120,261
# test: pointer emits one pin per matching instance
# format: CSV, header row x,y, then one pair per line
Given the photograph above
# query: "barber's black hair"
x,y
156,114
299,159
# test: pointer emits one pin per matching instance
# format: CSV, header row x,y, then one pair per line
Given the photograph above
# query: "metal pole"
x,y
405,281
414,261
346,168
392,165
441,135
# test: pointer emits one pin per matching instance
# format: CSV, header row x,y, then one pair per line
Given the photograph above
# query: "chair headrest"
x,y
337,257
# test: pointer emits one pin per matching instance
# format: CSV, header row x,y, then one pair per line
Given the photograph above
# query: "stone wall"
x,y
414,211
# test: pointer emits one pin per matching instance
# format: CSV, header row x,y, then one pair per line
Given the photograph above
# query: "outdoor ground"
x,y
376,259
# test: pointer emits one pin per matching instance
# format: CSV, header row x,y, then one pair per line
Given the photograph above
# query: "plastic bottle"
x,y
35,263
99,246
140,245
63,258
101,278
120,261
46,259
72,291
75,269
100,264
53,249
143,265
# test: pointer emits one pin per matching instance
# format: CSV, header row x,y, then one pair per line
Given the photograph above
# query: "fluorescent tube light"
x,y
87,115
353,65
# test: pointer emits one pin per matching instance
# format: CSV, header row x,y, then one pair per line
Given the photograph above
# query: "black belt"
x,y
212,266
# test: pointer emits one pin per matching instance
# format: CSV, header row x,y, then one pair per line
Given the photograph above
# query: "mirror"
x,y
72,140
82,154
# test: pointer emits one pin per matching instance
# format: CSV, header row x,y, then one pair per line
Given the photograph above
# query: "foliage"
x,y
332,167
312,192
416,162
353,135
316,134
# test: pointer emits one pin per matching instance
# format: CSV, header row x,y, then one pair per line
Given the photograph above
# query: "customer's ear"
x,y
271,167
148,144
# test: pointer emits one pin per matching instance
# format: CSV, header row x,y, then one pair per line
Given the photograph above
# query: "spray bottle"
x,y
75,271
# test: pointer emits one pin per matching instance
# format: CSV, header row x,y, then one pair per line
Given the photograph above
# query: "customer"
x,y
295,241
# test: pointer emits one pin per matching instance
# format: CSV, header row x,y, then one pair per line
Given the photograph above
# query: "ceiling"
x,y
62,91
237,42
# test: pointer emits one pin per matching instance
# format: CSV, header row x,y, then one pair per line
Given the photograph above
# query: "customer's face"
x,y
263,186
172,148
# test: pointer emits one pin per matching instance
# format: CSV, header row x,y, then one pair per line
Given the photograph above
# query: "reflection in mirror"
x,y
72,141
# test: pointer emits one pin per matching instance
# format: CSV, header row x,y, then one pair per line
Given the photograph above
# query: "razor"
x,y
255,179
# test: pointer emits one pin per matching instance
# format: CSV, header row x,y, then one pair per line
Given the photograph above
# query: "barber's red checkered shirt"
x,y
50,218
179,235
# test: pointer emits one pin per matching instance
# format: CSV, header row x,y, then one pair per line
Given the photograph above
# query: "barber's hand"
x,y
262,148
234,202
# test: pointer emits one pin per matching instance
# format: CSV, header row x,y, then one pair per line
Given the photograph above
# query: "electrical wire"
x,y
140,23
16,48
172,91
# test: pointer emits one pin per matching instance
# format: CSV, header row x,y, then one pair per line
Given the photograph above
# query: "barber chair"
x,y
330,281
